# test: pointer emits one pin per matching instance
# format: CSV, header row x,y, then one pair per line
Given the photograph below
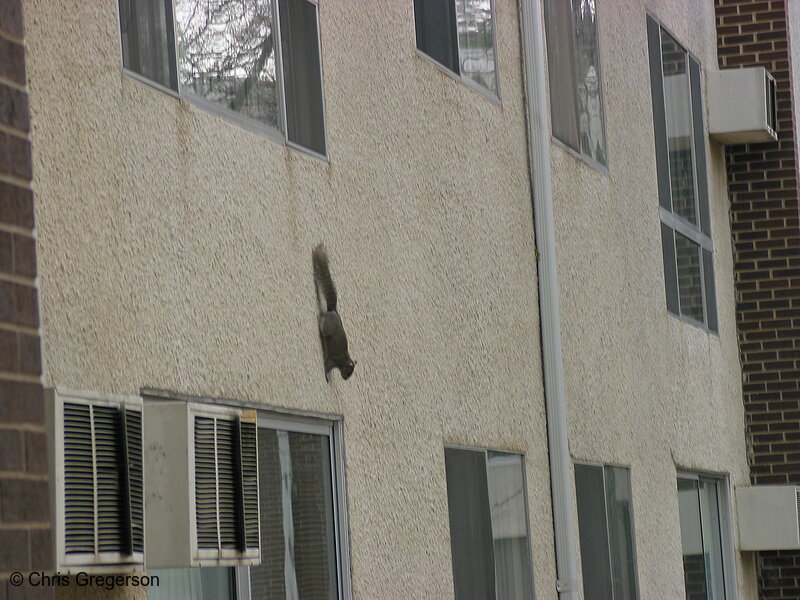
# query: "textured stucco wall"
x,y
645,390
175,253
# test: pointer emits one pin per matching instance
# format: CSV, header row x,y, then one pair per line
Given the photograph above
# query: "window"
x,y
489,539
208,583
254,61
301,498
303,545
576,94
605,526
705,537
459,35
682,180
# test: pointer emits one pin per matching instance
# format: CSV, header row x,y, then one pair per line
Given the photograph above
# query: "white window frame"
x,y
488,94
333,428
279,136
725,511
672,220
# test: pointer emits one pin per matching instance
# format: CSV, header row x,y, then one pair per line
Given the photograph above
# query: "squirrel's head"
x,y
347,370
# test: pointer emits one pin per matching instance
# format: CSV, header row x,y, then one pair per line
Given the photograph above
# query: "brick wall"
x,y
762,183
24,512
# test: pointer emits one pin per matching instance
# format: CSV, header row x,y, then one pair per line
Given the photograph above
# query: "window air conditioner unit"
x,y
769,517
742,106
97,497
201,472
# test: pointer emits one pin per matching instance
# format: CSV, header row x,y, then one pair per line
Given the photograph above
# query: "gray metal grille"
x,y
250,483
226,484
133,422
797,500
103,483
79,480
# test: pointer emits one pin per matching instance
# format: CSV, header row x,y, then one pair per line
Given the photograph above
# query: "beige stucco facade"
x,y
645,389
175,254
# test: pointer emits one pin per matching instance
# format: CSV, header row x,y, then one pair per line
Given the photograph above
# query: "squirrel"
x,y
331,330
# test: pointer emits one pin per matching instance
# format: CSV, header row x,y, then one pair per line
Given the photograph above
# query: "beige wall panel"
x,y
175,254
645,390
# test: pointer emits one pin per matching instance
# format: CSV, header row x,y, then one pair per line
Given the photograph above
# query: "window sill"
x,y
249,125
694,323
589,162
489,95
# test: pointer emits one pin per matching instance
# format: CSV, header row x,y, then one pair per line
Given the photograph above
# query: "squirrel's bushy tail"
x,y
322,274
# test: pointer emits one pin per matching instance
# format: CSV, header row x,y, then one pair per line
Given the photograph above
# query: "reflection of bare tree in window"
x,y
476,42
227,55
590,100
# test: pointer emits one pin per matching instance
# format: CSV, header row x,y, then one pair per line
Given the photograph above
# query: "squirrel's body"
x,y
331,330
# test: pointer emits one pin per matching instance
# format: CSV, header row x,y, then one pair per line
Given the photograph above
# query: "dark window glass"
x,y
470,525
670,269
489,538
690,284
301,74
620,532
148,43
711,293
593,532
435,22
605,527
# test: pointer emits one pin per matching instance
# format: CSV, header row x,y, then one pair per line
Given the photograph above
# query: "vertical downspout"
x,y
549,316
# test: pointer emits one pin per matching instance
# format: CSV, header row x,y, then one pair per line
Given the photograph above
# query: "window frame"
x,y
485,451
604,466
702,201
279,136
604,169
725,511
333,428
486,93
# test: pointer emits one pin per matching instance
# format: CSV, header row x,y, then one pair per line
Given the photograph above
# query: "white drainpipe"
x,y
535,70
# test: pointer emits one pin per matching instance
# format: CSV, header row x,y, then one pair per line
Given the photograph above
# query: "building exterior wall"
x,y
763,188
645,389
175,255
24,493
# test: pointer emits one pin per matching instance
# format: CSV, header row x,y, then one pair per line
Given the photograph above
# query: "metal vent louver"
x,y
202,503
797,504
226,484
96,443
